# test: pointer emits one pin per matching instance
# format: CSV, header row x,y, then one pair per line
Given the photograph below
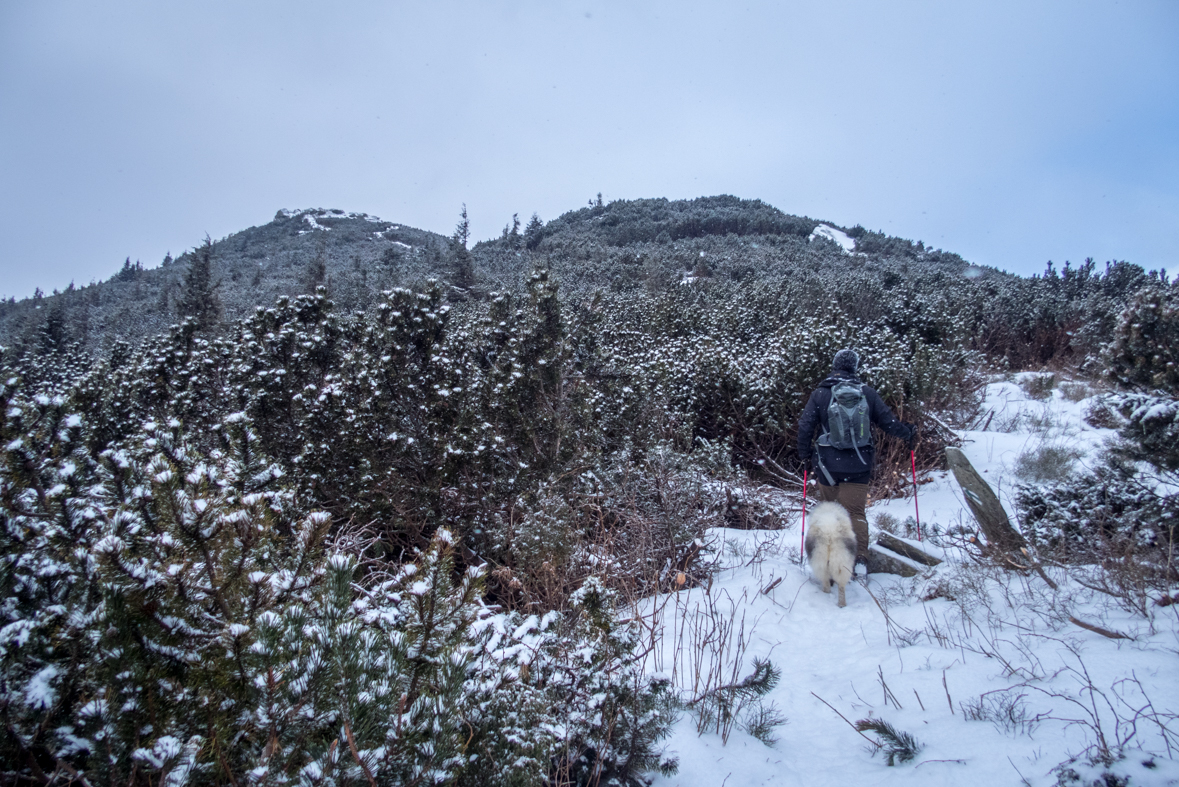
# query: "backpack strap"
x,y
823,468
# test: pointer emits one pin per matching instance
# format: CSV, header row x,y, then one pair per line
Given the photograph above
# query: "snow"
x,y
329,213
315,225
1006,633
312,215
845,242
39,691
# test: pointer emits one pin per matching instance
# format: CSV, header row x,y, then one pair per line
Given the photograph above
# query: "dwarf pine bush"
x,y
188,598
896,745
168,617
1143,351
1150,429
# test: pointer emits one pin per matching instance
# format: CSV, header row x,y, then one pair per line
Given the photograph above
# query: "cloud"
x,y
1009,132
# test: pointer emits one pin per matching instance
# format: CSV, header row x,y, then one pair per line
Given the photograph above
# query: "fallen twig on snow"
x,y
876,744
1098,629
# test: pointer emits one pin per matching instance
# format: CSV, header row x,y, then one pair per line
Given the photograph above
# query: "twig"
x,y
1022,778
778,471
918,696
1098,629
888,695
923,762
953,432
1098,588
947,688
356,755
888,623
1039,569
840,715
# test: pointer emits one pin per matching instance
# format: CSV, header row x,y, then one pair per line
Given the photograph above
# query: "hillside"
x,y
449,515
355,255
617,246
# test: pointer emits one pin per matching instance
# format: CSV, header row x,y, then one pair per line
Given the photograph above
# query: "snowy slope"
x,y
1002,631
845,241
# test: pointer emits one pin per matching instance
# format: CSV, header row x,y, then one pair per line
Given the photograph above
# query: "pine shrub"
x,y
896,745
1146,340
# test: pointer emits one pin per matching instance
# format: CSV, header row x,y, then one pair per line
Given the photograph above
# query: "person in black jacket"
x,y
843,475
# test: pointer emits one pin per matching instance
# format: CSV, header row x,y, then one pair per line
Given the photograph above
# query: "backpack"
x,y
848,420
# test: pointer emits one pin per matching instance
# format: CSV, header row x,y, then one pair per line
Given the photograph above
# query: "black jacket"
x,y
814,419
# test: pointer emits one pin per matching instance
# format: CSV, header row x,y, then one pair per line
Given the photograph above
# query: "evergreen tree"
x,y
199,298
463,264
316,270
129,272
511,234
533,233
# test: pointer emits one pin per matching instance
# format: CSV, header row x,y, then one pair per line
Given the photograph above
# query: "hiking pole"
x,y
916,509
802,543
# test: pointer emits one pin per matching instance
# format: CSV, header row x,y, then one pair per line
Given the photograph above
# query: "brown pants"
x,y
853,497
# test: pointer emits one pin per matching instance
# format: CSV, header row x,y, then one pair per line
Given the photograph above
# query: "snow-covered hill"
x,y
925,654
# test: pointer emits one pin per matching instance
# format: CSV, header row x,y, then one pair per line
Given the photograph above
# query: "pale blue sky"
x,y
1011,132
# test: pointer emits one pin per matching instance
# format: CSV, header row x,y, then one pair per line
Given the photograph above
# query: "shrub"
x,y
897,745
1101,414
741,703
887,522
1046,462
1006,710
1145,347
211,632
1038,386
1149,430
1075,391
1123,768
1091,512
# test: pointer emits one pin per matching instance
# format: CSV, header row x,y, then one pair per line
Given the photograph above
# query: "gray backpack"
x,y
848,420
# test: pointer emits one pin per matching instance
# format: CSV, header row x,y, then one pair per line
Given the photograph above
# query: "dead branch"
x,y
1098,629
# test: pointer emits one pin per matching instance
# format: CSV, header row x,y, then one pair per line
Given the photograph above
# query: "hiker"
x,y
841,409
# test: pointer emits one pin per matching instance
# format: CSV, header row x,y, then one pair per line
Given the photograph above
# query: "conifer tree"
x,y
511,234
199,297
533,233
464,263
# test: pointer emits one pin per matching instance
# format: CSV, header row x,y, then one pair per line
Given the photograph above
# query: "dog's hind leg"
x,y
842,597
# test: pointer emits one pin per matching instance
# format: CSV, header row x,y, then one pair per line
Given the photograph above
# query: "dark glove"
x,y
911,440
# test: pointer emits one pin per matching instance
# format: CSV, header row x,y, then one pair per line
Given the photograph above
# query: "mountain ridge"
x,y
653,244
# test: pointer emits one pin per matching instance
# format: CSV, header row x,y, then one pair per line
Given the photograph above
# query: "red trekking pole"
x,y
802,543
916,509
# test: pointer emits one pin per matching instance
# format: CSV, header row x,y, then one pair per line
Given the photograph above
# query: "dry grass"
x,y
1046,462
1038,386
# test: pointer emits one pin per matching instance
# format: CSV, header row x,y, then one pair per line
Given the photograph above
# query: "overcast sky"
x,y
1011,132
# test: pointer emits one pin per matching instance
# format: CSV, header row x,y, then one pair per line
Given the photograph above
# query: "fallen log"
x,y
911,551
882,561
984,505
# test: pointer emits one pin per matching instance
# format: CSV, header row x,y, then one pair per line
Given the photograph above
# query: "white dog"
x,y
831,548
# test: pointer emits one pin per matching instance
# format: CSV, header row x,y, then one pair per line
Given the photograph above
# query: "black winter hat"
x,y
846,361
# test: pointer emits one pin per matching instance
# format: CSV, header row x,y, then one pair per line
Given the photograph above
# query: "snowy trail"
x,y
841,655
